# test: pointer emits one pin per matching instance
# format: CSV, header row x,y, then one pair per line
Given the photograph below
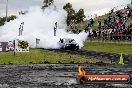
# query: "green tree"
x,y
72,15
80,16
46,3
68,7
3,19
12,17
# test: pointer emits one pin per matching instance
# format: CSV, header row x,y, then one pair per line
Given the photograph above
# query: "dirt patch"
x,y
56,75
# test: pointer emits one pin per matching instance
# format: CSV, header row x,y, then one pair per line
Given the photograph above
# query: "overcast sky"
x,y
88,5
14,6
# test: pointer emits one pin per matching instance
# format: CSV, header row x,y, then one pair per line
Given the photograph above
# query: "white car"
x,y
68,44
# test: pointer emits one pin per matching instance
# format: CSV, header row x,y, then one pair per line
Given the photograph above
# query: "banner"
x,y
10,46
21,46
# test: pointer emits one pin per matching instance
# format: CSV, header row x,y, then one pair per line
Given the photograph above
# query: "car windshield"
x,y
69,41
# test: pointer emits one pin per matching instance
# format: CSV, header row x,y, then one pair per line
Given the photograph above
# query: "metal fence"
x,y
111,37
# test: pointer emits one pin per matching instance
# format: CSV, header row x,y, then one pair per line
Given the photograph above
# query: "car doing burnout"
x,y
68,44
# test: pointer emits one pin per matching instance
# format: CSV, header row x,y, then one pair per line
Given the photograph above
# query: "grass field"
x,y
109,47
39,56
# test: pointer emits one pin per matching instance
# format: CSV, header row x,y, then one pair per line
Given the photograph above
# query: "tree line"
x,y
3,19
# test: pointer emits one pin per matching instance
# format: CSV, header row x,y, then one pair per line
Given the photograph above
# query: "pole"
x,y
54,31
14,48
22,28
55,28
36,42
56,25
6,9
19,32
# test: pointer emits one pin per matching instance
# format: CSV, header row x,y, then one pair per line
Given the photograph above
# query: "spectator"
x,y
88,27
105,22
91,22
99,25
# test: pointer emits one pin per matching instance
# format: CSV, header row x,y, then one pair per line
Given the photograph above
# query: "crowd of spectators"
x,y
115,25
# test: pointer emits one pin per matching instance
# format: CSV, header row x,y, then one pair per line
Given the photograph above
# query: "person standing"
x,y
55,28
99,25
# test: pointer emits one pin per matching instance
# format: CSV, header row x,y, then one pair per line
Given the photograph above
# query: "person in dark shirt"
x,y
105,22
88,27
91,22
99,25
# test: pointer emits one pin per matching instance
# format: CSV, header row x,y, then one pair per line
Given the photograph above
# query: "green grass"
x,y
130,19
108,47
39,56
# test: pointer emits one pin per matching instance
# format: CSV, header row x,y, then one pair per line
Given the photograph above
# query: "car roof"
x,y
67,38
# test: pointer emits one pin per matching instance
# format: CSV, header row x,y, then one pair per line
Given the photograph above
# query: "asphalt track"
x,y
99,55
57,75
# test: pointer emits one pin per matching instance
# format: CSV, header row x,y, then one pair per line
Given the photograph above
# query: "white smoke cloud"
x,y
39,24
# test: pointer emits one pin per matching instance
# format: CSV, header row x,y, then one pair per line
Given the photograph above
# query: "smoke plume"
x,y
40,24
